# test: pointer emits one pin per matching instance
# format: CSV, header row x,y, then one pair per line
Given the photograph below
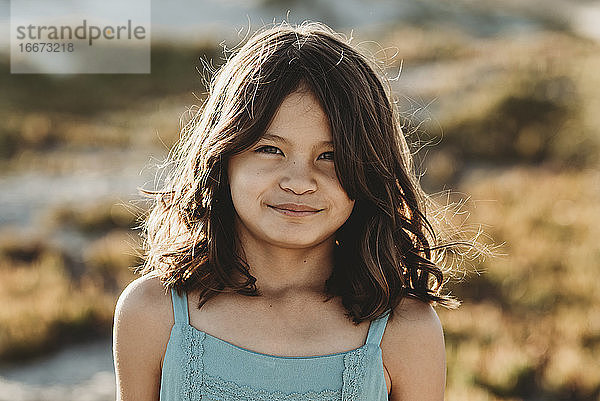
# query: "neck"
x,y
280,272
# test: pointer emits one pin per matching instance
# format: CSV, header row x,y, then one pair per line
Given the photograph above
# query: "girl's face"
x,y
290,168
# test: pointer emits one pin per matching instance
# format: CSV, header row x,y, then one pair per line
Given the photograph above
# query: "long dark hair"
x,y
384,251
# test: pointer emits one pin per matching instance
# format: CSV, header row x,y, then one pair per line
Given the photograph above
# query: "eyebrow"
x,y
277,138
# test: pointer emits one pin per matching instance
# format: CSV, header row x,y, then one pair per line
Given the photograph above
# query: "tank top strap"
x,y
180,307
376,329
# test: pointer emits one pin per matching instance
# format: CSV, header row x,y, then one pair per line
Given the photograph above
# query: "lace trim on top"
x,y
196,383
354,373
217,387
193,349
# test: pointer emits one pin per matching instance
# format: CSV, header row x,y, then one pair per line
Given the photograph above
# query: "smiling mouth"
x,y
295,213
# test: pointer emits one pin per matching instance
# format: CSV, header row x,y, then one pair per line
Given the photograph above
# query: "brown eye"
x,y
329,155
268,149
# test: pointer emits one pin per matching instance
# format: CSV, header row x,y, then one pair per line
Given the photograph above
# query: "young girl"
x,y
288,256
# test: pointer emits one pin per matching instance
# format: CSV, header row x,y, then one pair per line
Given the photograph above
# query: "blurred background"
x,y
502,99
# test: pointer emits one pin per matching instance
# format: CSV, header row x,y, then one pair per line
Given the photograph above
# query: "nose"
x,y
298,178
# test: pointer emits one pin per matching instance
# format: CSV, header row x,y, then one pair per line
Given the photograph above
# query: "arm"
x,y
142,325
414,353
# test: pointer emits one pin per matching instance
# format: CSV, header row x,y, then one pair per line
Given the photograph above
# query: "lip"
x,y
301,212
295,207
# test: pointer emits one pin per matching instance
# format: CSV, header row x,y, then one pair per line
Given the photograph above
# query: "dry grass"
x,y
97,217
50,302
529,100
529,326
108,258
47,309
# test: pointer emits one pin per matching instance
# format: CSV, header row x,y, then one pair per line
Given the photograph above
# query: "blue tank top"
x,y
198,366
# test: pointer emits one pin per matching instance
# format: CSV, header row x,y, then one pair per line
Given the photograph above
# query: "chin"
x,y
296,242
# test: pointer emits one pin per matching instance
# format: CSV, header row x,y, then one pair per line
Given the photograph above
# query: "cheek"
x,y
236,180
349,207
247,180
237,172
337,186
343,203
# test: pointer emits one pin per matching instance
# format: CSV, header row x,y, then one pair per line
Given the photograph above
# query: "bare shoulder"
x,y
414,329
142,326
144,301
414,353
415,317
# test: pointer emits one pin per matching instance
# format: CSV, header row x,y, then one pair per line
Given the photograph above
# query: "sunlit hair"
x,y
384,252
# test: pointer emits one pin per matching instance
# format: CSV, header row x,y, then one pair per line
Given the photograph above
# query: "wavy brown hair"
x,y
384,251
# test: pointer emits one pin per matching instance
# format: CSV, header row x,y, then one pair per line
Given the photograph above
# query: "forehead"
x,y
300,117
